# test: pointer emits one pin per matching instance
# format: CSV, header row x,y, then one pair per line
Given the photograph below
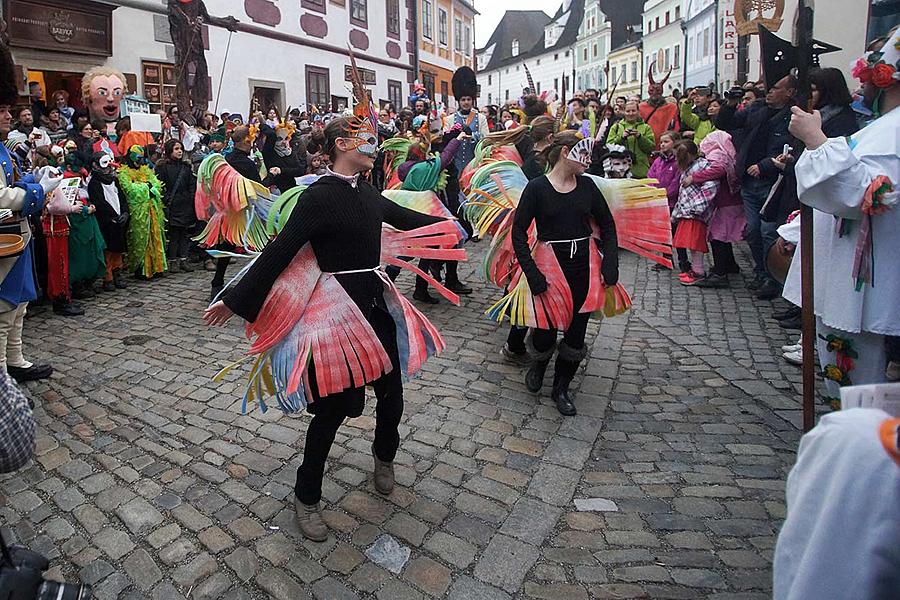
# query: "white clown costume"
x,y
852,185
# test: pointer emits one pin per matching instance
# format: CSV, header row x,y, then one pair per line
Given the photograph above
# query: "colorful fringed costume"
x,y
309,295
239,206
146,231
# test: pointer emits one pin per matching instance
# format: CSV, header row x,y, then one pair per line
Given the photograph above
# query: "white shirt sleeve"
x,y
832,179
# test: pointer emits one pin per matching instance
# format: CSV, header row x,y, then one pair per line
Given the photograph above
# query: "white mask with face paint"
x,y
581,152
282,142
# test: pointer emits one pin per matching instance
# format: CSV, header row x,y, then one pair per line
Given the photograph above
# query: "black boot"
x,y
421,292
119,280
453,282
534,377
567,361
67,309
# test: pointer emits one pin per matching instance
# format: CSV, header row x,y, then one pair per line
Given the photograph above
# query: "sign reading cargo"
x,y
81,27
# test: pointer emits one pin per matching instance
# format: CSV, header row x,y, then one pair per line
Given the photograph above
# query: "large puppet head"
x,y
102,89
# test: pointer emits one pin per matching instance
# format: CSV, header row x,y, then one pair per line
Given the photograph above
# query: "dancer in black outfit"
x,y
340,216
562,203
530,142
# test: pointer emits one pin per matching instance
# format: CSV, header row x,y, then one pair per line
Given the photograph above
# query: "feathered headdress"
x,y
253,132
287,124
364,110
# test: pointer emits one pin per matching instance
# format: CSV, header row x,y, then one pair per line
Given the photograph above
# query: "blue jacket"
x,y
18,285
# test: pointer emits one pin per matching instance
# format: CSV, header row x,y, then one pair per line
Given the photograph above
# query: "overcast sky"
x,y
492,11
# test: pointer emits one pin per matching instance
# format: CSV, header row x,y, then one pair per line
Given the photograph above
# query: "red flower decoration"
x,y
883,75
862,71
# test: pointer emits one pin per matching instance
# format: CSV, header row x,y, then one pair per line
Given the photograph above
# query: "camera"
x,y
21,578
735,93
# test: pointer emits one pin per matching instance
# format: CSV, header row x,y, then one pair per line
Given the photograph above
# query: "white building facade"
x,y
700,32
663,41
551,60
283,53
592,48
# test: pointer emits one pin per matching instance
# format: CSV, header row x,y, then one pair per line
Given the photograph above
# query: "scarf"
x,y
718,149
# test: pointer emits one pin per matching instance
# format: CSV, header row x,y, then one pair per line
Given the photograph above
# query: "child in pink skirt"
x,y
693,211
728,221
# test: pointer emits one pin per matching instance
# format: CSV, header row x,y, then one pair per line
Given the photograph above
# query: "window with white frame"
x,y
667,62
706,42
634,73
428,19
614,70
457,35
467,39
515,47
677,56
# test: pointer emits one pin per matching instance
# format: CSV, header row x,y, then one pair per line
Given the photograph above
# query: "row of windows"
x,y
620,73
462,34
665,58
701,45
318,90
654,24
359,13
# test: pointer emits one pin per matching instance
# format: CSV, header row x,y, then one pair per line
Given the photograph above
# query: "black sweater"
x,y
243,164
564,217
343,224
290,165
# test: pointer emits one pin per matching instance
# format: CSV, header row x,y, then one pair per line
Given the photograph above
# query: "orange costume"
x,y
660,115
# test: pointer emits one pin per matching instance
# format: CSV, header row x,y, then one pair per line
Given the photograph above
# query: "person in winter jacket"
x,y
179,186
668,176
636,136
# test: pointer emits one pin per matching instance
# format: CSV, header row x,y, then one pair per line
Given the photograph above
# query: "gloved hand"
x,y
50,179
537,282
610,272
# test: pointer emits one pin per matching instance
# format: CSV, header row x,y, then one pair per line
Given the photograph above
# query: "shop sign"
x,y
73,27
368,75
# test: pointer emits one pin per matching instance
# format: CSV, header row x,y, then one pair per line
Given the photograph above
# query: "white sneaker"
x,y
795,357
893,371
791,348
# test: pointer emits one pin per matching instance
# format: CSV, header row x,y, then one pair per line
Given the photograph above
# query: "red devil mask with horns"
x,y
655,88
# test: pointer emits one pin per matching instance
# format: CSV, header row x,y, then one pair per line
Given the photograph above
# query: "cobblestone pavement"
x,y
148,483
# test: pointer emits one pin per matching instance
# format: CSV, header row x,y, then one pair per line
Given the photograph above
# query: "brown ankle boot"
x,y
384,475
309,518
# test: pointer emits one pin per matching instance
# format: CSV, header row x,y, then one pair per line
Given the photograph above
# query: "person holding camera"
x,y
636,136
695,118
762,134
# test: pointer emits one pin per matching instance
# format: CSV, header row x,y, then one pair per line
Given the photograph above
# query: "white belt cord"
x,y
573,244
370,270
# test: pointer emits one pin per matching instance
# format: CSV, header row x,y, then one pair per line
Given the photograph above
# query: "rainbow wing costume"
x,y
641,212
240,206
308,318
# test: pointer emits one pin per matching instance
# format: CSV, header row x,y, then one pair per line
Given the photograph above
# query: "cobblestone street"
x,y
149,483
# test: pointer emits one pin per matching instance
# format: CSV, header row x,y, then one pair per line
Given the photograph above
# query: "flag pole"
x,y
807,295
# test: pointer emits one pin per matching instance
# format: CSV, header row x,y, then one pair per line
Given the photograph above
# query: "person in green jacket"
x,y
696,118
636,136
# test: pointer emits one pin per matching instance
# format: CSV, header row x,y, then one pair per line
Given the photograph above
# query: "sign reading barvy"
x,y
81,27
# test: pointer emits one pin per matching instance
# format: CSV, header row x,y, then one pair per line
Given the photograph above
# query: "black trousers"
x,y
723,257
179,240
222,264
577,273
329,413
516,339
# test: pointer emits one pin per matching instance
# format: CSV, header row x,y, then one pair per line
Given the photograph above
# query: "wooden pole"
x,y
807,292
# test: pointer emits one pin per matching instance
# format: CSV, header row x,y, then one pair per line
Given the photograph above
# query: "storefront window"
x,y
159,84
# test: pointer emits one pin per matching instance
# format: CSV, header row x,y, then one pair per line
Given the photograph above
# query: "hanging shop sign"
x,y
81,27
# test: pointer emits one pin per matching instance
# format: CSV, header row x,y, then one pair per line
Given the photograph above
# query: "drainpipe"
x,y
716,37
